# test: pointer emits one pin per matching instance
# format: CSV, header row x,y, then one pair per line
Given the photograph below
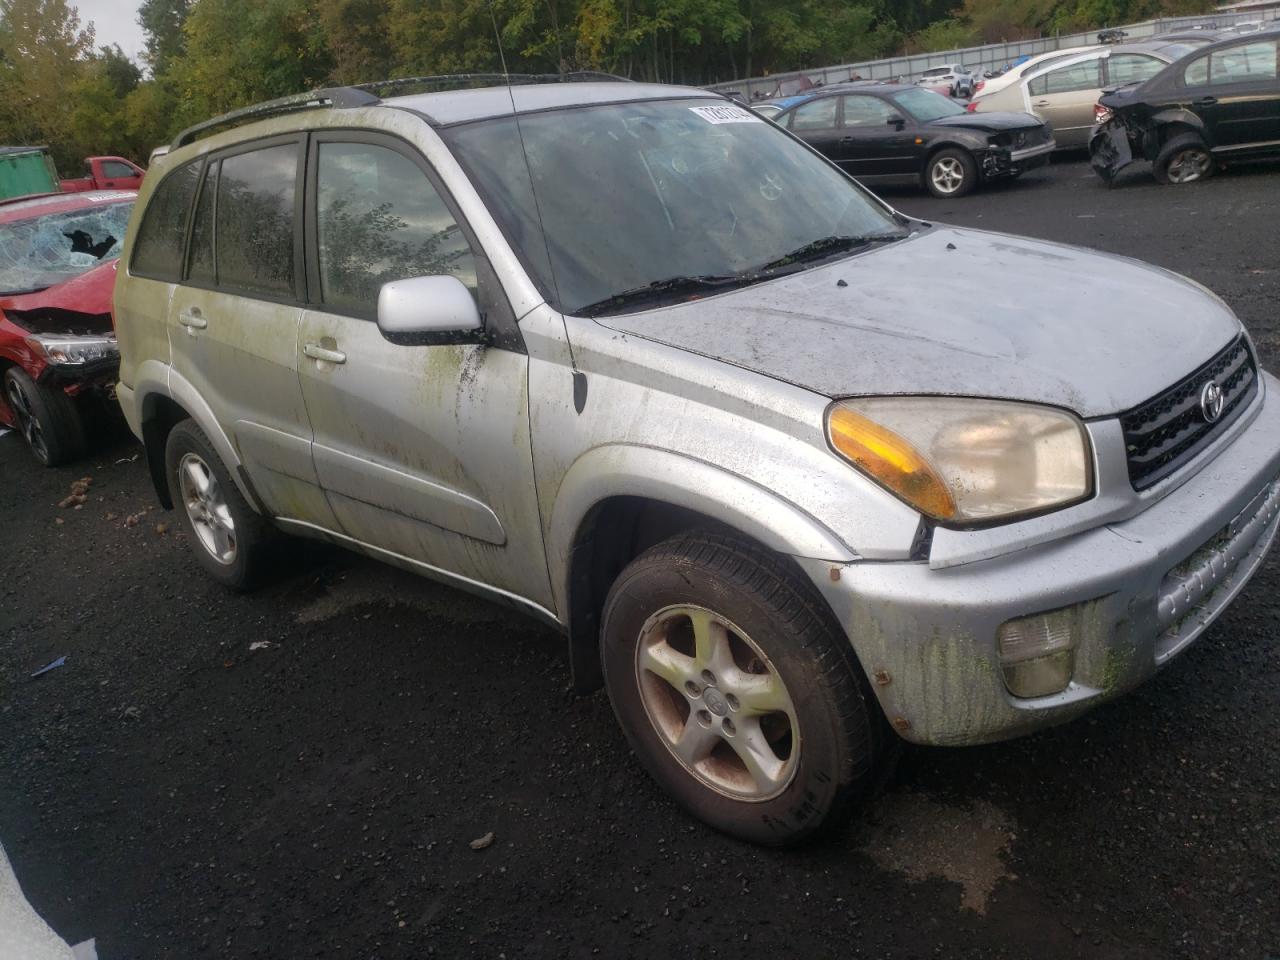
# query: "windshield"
x,y
42,251
640,194
925,105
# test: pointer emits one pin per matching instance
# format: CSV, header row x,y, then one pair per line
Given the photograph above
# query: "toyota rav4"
x,y
795,474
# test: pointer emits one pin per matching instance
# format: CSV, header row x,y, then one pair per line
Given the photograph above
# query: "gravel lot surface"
x,y
176,793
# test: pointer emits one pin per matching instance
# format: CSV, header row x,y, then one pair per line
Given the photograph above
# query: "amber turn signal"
x,y
890,460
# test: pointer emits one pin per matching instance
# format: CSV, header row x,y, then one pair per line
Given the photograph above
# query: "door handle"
x,y
1042,103
846,139
192,319
1205,102
317,352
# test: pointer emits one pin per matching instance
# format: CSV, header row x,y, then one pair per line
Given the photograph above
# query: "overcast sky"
x,y
114,21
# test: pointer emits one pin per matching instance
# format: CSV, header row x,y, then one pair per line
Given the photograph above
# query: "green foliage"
x,y
205,57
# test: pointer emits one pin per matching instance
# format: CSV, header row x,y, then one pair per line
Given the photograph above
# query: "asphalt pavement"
x,y
300,772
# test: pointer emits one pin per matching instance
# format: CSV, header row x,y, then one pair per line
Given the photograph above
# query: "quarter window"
x,y
254,220
1080,76
815,115
162,236
378,219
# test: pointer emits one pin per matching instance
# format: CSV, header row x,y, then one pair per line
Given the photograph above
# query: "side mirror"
x,y
420,310
898,120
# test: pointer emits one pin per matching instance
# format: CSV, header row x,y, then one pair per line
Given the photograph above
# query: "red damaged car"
x,y
58,349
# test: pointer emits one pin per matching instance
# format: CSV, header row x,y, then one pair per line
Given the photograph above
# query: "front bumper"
x,y
1147,587
1003,163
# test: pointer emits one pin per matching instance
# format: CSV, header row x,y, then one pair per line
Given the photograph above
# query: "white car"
x,y
955,76
1014,74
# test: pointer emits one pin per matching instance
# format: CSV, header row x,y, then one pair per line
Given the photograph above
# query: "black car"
x,y
900,132
1214,106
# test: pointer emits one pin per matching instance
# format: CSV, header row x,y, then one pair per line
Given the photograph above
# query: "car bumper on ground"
x,y
1139,592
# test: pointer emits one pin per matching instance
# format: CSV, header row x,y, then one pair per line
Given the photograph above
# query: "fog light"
x,y
1038,653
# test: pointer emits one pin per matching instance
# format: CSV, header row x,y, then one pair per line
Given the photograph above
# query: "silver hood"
x,y
962,312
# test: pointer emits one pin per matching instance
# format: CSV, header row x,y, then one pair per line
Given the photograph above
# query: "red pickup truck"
x,y
105,173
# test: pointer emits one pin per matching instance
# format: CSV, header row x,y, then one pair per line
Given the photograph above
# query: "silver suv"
x,y
795,474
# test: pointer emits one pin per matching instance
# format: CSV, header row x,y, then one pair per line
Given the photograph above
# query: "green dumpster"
x,y
26,170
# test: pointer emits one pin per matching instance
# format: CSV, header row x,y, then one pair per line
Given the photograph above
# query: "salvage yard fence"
x,y
981,58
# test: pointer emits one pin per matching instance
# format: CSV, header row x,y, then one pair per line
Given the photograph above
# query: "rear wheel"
x,y
736,692
951,173
230,540
46,417
1184,159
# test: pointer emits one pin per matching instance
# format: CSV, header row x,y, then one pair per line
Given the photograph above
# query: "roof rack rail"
x,y
328,97
454,80
363,95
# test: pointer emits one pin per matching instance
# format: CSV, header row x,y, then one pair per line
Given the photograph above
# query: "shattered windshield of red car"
x,y
42,251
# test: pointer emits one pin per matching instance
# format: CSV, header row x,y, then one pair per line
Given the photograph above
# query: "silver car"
x,y
795,474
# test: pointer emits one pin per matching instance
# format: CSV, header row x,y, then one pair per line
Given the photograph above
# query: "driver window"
x,y
1080,76
815,115
378,219
864,111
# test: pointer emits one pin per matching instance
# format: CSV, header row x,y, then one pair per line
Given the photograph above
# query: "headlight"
x,y
964,461
70,351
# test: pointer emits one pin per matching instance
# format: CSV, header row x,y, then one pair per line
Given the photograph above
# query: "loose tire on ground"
x,y
231,542
46,417
951,172
1184,159
715,650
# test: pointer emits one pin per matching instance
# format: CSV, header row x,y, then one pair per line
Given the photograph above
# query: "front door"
x,y
876,138
422,450
233,321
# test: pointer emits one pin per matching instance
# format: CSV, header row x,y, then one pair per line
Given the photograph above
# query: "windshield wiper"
x,y
663,290
826,247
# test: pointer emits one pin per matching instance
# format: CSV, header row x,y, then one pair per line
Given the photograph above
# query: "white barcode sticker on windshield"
x,y
726,113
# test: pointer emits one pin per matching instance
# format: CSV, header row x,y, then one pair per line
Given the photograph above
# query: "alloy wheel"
x,y
1189,165
28,425
207,508
717,703
947,175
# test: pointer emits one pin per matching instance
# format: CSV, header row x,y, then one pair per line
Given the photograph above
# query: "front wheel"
x,y
951,173
46,417
735,691
1184,159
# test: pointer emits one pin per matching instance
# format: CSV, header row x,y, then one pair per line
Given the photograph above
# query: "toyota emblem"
x,y
1211,401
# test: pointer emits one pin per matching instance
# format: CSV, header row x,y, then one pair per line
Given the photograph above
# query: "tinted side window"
x,y
1248,63
378,218
866,112
1197,73
163,233
254,220
201,267
1132,67
815,115
116,169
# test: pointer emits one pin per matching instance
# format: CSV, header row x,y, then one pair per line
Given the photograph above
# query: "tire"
x,y
1184,159
229,539
951,172
46,417
788,691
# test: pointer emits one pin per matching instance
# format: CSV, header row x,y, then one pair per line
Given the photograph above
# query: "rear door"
x,y
817,123
423,448
1236,92
233,322
1065,97
869,143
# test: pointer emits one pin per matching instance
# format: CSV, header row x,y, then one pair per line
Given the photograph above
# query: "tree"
x,y
162,22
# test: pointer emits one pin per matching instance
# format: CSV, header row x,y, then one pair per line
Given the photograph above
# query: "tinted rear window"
x,y
254,221
163,233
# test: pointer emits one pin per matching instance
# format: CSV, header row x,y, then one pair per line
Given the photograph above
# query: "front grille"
x,y
1168,430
